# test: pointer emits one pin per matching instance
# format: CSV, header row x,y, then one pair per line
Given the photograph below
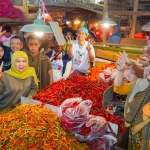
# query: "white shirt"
x,y
80,56
57,66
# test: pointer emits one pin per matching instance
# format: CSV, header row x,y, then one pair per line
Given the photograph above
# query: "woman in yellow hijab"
x,y
19,80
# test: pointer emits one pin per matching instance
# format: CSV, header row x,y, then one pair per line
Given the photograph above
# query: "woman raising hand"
x,y
19,80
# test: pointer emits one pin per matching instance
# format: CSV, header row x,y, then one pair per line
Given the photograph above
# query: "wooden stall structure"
x,y
129,14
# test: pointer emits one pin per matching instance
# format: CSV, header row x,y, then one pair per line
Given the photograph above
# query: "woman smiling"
x,y
19,80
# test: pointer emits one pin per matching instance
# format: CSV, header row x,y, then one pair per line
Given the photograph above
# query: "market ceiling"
x,y
81,8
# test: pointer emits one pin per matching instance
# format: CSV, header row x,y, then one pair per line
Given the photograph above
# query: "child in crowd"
x,y
49,44
61,63
81,51
39,61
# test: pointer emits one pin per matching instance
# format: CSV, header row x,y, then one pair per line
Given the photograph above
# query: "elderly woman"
x,y
19,80
138,95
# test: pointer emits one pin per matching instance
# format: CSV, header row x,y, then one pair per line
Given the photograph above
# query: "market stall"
x,y
36,123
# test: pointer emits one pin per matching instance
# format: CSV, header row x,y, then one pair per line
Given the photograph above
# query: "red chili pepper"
x,y
78,86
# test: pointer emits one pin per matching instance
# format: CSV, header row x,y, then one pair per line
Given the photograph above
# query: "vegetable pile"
x,y
34,127
86,87
79,86
74,86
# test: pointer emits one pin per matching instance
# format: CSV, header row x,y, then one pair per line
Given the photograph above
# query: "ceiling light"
x,y
67,22
38,25
38,33
106,22
76,22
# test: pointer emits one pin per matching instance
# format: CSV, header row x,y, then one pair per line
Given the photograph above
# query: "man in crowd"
x,y
39,61
16,44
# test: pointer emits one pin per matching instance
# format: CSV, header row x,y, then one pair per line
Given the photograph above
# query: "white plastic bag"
x,y
94,127
104,142
72,114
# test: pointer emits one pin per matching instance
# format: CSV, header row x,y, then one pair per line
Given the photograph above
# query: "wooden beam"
x,y
104,15
31,16
15,21
138,13
144,0
134,19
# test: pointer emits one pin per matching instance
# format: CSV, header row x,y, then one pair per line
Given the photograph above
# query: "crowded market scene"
x,y
74,75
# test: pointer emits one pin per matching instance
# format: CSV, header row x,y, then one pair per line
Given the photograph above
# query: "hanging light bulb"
x,y
76,22
38,26
67,22
106,22
38,33
106,25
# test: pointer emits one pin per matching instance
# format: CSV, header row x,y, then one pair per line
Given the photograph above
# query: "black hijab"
x,y
6,57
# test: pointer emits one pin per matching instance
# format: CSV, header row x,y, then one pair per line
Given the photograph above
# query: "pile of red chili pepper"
x,y
78,86
72,87
34,127
93,76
